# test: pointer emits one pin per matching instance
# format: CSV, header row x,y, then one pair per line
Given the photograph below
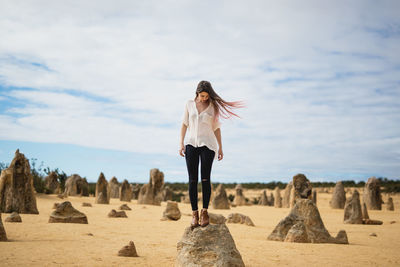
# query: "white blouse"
x,y
201,126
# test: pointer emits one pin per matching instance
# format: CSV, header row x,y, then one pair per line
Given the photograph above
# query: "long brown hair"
x,y
222,108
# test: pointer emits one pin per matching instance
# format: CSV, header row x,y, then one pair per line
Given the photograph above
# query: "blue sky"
x,y
95,86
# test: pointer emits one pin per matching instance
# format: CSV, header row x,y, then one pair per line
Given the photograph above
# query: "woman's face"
x,y
203,96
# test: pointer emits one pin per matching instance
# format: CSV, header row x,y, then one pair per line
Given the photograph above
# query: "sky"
x,y
100,86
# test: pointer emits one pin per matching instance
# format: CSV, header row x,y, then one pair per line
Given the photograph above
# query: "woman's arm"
x,y
183,133
218,136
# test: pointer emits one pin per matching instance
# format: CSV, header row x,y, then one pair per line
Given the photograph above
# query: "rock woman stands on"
x,y
203,143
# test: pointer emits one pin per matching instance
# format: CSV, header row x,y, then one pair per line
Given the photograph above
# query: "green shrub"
x,y
177,196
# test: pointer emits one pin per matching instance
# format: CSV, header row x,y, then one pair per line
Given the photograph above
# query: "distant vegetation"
x,y
39,173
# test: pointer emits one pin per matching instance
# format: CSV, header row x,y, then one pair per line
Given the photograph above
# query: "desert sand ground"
x,y
39,243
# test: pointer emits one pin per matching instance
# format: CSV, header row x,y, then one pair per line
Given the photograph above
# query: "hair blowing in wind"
x,y
222,108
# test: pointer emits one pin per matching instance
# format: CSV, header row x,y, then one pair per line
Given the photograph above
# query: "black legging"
x,y
192,155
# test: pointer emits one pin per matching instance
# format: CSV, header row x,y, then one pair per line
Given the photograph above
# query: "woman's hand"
x,y
220,154
182,150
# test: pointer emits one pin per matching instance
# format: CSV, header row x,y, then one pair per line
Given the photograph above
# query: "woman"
x,y
201,118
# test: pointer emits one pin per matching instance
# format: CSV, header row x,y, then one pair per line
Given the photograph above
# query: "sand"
x,y
36,242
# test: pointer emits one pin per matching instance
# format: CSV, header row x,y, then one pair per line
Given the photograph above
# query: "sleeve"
x,y
185,119
216,124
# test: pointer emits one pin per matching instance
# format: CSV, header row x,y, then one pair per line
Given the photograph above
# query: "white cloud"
x,y
320,80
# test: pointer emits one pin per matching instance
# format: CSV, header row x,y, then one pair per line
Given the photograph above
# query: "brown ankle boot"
x,y
204,219
195,219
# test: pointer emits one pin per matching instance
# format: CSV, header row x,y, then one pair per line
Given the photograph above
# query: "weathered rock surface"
x,y
172,211
125,192
271,199
372,222
263,199
76,186
113,188
302,187
389,204
52,184
16,187
277,198
239,199
314,197
167,193
372,194
212,245
55,205
102,190
14,217
216,218
292,198
124,207
128,251
338,197
220,200
151,193
352,209
117,214
3,235
297,233
305,215
353,214
286,195
135,191
65,213
239,218
365,215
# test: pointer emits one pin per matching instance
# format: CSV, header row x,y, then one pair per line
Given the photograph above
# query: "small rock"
x,y
85,204
60,196
89,234
14,217
55,205
65,213
372,222
297,233
216,218
124,207
128,251
239,218
117,214
372,234
392,222
172,211
212,245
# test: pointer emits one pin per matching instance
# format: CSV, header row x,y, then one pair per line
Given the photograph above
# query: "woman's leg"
x,y
192,164
207,157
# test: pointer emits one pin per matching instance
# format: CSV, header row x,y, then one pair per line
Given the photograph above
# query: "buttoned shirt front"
x,y
201,126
